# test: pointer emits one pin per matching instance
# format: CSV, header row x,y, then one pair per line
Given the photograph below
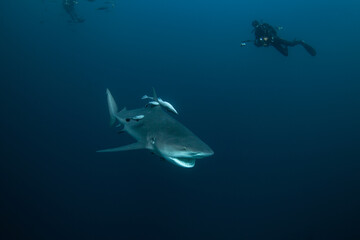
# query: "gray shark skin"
x,y
158,132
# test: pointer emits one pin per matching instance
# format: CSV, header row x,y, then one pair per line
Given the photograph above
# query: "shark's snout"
x,y
206,153
186,156
195,154
201,154
203,151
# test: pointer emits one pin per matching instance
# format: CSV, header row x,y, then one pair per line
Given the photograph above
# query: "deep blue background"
x,y
285,130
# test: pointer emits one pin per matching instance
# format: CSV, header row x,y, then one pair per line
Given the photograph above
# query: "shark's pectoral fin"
x,y
133,146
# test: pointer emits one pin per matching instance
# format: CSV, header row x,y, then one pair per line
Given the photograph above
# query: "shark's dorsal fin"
x,y
155,96
133,146
113,109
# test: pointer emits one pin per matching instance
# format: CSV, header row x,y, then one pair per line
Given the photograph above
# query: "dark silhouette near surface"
x,y
266,35
69,6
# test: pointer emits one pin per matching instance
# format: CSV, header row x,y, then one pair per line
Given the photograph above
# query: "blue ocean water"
x,y
285,130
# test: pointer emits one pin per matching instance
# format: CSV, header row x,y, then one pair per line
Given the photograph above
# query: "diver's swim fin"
x,y
309,49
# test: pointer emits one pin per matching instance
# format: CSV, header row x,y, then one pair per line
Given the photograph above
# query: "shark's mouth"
x,y
183,162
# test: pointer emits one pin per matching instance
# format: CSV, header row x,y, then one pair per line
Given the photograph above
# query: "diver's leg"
x,y
80,20
289,43
282,49
277,43
73,16
307,47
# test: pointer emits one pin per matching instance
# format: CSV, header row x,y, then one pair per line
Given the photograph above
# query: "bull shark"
x,y
158,132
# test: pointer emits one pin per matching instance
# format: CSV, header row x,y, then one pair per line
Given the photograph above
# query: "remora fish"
x,y
167,105
138,117
163,103
158,132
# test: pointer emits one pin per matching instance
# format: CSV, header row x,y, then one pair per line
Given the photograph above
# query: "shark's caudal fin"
x,y
133,146
113,109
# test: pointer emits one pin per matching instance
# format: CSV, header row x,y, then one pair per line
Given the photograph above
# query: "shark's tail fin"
x,y
113,109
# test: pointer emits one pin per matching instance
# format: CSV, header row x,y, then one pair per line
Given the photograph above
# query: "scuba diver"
x,y
69,6
266,35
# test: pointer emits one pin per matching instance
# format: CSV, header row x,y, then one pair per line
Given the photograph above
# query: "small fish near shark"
x,y
163,103
157,131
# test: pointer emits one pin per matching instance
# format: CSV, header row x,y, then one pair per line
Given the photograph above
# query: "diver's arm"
x,y
258,34
243,43
258,43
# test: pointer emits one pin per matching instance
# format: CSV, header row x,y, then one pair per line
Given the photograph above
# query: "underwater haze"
x,y
285,131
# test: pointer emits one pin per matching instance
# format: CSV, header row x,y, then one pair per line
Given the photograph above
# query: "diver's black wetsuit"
x,y
69,6
266,35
